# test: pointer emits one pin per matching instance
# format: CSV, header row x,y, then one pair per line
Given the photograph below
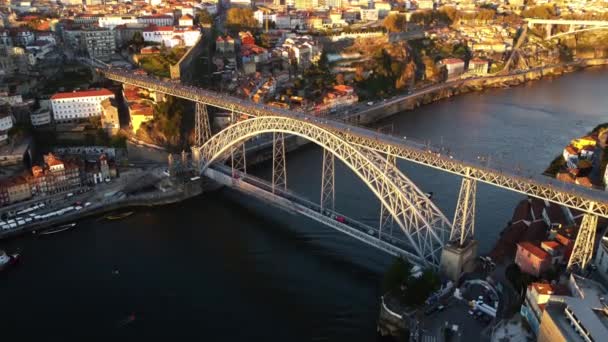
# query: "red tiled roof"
x,y
551,244
536,251
84,93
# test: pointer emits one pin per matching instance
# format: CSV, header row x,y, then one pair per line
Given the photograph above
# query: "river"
x,y
223,267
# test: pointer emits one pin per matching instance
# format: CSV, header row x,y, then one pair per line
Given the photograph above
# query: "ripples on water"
x,y
225,267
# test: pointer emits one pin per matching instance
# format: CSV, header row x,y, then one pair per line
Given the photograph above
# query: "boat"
x,y
119,216
429,194
7,260
58,229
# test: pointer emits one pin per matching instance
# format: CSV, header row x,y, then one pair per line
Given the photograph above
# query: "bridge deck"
x,y
585,200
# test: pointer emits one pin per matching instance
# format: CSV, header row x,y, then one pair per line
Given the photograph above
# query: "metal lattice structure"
x,y
579,199
422,223
386,220
463,226
328,178
583,247
279,161
202,129
238,159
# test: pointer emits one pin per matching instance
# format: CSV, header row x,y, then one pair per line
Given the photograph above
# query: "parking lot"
x,y
456,312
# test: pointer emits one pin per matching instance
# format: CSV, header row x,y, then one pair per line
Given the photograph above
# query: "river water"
x,y
223,267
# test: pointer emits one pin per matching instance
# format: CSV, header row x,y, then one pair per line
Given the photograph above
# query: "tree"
x,y
462,51
137,40
239,18
397,275
204,18
394,23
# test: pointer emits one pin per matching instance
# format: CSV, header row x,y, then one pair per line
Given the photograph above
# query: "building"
x,y
454,66
478,66
40,117
6,122
580,317
601,256
172,36
340,96
13,190
532,259
100,43
140,113
157,20
109,118
186,20
537,296
78,105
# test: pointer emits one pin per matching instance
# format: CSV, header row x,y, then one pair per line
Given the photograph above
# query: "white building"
x,y
40,117
186,20
369,14
78,105
601,256
158,20
454,66
111,21
172,36
6,123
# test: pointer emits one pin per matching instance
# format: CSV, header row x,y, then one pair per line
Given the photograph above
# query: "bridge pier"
x,y
459,255
328,191
279,162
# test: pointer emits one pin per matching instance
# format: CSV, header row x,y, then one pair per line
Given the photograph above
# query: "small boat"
x,y
7,260
429,195
58,229
119,216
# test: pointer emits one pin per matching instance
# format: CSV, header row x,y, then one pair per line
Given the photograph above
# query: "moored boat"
x,y
119,216
58,229
7,260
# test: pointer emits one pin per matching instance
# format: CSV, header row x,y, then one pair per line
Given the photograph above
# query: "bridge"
x,y
574,26
372,157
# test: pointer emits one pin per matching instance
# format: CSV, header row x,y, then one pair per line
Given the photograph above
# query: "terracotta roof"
x,y
536,251
545,288
452,61
551,244
84,93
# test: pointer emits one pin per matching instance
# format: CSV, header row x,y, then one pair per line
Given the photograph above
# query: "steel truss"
x,y
238,159
386,145
328,177
386,219
583,247
279,162
202,129
463,226
424,226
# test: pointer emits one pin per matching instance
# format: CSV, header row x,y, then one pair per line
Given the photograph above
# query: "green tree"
x,y
240,18
137,40
397,275
204,18
462,51
395,23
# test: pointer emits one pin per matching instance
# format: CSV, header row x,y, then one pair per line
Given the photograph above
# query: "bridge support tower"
x,y
583,246
458,256
328,177
279,162
202,129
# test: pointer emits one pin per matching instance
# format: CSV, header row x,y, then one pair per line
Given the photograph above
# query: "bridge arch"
x,y
422,223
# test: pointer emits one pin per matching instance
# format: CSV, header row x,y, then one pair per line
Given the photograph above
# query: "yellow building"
x,y
140,113
580,143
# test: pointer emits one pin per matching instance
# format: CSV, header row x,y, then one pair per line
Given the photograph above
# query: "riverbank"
x,y
147,199
453,88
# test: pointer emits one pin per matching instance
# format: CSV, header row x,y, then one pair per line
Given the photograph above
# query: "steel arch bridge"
x,y
423,224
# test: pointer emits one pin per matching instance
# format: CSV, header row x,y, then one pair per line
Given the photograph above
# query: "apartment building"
x,y
78,105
